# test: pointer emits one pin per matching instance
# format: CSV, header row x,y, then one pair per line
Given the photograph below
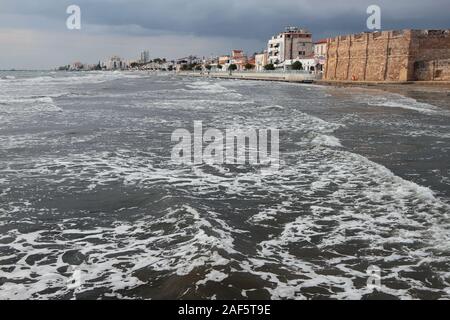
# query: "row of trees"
x,y
140,64
297,65
233,67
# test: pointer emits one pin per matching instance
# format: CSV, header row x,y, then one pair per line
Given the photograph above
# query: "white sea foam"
x,y
28,105
328,141
377,98
209,87
312,226
273,107
157,250
399,101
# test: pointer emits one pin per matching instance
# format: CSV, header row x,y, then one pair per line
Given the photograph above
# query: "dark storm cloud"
x,y
33,33
255,19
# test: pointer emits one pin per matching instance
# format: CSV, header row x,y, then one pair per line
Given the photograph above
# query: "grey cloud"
x,y
178,27
241,18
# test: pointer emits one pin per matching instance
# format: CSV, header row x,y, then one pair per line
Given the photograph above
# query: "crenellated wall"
x,y
384,56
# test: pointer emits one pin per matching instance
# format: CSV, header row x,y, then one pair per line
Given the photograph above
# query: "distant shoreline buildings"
x,y
404,55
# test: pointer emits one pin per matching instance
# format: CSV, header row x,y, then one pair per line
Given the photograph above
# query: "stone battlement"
x,y
387,55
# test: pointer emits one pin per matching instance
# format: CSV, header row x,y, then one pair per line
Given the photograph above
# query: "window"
x,y
302,53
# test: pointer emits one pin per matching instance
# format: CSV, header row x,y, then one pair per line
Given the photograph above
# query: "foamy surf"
x,y
92,192
378,98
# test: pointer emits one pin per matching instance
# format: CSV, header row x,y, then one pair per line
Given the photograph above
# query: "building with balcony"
x,y
293,43
115,63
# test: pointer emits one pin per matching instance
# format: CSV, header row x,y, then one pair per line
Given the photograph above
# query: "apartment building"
x,y
293,43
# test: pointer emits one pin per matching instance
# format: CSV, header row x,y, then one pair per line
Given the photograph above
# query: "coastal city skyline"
x,y
37,35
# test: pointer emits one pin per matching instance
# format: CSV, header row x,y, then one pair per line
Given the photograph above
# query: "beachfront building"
x,y
224,62
76,66
293,43
239,59
190,61
308,64
320,54
261,60
115,63
156,65
212,62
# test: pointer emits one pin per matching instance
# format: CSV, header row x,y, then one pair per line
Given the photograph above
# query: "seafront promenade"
x,y
300,77
304,77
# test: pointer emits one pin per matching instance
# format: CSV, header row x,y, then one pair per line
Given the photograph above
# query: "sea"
x,y
93,207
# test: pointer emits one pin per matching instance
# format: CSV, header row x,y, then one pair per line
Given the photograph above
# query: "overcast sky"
x,y
33,33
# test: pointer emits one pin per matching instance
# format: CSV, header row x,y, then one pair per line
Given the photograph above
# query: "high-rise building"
x,y
145,56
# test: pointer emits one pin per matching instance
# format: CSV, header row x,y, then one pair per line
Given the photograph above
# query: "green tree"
x,y
219,66
186,67
297,65
269,67
232,67
249,66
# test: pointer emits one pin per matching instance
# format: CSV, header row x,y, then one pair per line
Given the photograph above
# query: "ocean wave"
x,y
328,141
28,105
399,101
211,88
146,247
134,224
377,98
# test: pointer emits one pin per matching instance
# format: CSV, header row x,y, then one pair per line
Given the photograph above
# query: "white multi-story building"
x,y
293,43
320,54
308,64
116,63
145,56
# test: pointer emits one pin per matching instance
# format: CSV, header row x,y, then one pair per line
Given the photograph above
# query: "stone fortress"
x,y
405,55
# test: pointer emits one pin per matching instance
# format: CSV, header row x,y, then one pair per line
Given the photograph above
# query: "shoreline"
x,y
440,87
